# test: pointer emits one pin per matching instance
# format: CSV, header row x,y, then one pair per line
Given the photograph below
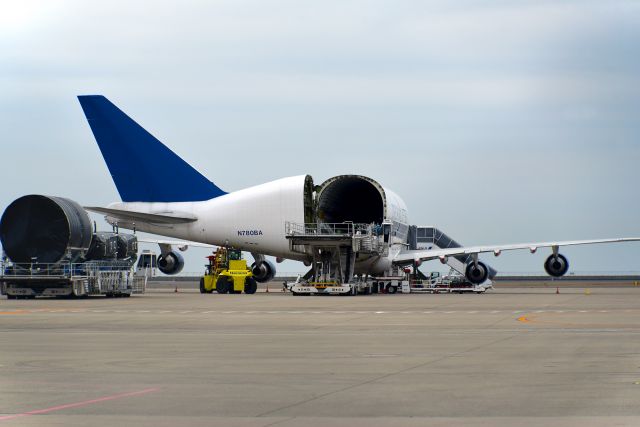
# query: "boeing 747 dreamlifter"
x,y
350,224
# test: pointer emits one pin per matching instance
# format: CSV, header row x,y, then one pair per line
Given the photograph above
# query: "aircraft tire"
x,y
392,289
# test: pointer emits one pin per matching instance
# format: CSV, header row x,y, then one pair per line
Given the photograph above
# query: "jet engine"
x,y
477,273
263,271
170,263
556,265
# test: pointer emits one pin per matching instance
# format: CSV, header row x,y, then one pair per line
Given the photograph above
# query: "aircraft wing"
x,y
157,218
426,255
179,243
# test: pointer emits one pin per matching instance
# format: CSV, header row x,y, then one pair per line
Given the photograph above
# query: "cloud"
x,y
499,121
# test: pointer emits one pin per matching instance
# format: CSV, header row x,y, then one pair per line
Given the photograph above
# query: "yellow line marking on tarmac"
x,y
14,312
523,319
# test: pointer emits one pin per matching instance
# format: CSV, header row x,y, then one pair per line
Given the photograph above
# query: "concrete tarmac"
x,y
511,357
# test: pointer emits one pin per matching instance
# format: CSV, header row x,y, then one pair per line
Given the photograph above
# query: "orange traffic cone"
x,y
176,290
267,288
557,290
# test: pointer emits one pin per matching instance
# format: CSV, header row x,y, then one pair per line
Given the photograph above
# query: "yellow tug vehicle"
x,y
227,273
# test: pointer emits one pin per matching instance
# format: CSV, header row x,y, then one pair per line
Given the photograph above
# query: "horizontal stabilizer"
x,y
182,244
164,218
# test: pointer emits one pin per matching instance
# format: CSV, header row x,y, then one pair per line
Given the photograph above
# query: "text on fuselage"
x,y
249,232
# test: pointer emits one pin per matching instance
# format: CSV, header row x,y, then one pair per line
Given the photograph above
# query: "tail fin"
x,y
143,169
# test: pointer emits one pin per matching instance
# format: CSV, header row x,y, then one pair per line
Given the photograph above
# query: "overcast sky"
x,y
497,121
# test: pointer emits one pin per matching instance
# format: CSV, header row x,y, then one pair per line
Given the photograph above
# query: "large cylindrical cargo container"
x,y
45,229
109,246
127,246
104,246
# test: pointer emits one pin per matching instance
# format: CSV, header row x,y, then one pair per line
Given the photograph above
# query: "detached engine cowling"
x,y
556,265
263,271
171,263
477,273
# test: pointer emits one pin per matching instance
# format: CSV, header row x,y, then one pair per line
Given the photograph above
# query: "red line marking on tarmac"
x,y
79,404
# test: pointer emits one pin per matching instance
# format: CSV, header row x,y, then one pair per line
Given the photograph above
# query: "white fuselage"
x,y
253,219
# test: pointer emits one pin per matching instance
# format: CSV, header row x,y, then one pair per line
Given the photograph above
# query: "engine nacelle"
x,y
476,274
170,263
263,271
556,265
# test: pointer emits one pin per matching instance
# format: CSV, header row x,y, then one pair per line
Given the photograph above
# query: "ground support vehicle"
x,y
450,283
330,287
389,285
333,248
51,249
66,279
445,287
227,272
321,288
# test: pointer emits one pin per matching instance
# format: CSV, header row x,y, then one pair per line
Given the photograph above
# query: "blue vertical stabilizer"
x,y
143,168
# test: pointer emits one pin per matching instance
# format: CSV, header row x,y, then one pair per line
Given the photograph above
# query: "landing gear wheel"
x,y
250,285
392,289
223,285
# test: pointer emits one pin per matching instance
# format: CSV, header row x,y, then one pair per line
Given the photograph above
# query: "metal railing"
x,y
327,229
365,237
60,269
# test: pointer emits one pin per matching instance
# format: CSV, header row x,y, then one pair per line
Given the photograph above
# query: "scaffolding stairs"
x,y
333,248
432,238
